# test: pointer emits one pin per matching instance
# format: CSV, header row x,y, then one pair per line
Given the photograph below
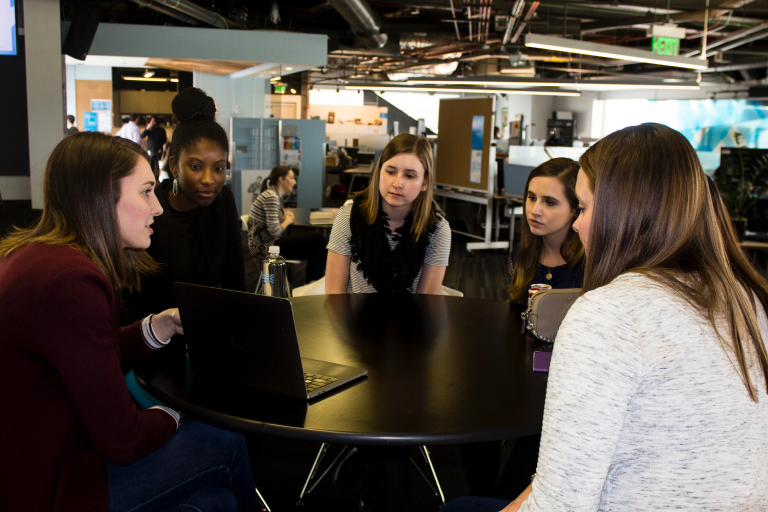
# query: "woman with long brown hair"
x,y
392,238
73,439
549,251
657,386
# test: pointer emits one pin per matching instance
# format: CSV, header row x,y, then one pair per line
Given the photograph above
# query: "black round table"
x,y
441,370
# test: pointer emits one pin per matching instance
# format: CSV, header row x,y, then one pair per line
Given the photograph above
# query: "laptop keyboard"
x,y
314,381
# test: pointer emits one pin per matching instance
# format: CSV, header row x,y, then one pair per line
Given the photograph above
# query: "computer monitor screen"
x,y
515,177
7,27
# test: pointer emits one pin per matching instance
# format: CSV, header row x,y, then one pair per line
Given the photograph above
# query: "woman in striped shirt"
x,y
268,223
392,238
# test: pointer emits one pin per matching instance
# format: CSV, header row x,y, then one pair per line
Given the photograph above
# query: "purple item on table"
x,y
541,361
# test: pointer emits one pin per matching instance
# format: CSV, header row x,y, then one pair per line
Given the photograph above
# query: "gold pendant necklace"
x,y
548,275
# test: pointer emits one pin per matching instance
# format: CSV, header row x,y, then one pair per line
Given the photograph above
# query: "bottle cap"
x,y
274,249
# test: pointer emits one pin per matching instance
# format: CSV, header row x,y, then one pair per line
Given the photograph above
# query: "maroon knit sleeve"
x,y
76,331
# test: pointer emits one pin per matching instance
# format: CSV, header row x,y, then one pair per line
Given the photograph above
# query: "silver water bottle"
x,y
274,276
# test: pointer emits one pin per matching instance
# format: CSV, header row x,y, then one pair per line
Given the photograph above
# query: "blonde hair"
x,y
653,214
81,188
423,215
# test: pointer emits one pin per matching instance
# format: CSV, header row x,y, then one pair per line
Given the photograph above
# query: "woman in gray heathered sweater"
x,y
657,389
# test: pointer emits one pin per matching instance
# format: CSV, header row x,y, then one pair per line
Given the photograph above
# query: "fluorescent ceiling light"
x,y
529,71
468,90
573,84
142,79
560,44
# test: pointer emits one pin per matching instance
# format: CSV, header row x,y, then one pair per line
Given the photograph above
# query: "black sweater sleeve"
x,y
233,277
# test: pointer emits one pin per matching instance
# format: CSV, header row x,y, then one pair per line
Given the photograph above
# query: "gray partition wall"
x,y
254,145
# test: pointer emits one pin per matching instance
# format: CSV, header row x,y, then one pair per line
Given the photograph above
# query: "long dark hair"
x,y
529,252
196,113
81,188
423,214
654,214
278,172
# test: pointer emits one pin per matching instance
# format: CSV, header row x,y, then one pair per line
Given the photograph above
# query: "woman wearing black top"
x,y
198,238
549,251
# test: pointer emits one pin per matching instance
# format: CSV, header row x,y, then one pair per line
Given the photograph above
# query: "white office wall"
x,y
234,97
93,73
516,104
45,95
581,107
541,110
71,92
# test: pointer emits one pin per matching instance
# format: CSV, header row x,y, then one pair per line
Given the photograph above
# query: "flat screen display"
x,y
7,27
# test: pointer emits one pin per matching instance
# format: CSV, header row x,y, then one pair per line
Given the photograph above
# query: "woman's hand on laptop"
x,y
166,324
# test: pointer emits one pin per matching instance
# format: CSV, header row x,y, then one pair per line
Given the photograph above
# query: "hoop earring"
x,y
175,186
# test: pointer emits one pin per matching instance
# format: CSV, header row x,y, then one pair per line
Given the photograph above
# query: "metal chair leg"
x,y
425,453
263,502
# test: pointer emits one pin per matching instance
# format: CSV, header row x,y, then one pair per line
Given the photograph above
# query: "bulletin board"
x,y
455,142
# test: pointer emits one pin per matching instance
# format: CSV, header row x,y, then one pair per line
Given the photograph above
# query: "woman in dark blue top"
x,y
549,251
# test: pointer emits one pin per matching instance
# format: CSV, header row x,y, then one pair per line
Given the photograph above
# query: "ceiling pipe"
x,y
150,4
193,10
363,20
736,67
732,37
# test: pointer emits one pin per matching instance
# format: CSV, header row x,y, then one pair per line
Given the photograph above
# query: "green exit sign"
x,y
665,45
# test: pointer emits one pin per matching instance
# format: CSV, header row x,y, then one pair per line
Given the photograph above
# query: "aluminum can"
x,y
536,288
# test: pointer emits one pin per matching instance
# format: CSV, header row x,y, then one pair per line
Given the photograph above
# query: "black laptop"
x,y
251,339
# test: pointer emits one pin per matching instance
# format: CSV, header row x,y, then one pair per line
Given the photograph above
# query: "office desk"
x,y
301,217
361,171
441,370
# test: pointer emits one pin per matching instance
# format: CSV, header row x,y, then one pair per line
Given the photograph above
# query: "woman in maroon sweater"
x,y
72,440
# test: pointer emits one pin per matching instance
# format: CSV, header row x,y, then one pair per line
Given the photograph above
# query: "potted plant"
x,y
742,180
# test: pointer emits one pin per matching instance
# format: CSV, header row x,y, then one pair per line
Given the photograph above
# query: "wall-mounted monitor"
x,y
7,27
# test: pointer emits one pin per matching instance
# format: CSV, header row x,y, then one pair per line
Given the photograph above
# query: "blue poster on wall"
x,y
7,27
476,160
90,121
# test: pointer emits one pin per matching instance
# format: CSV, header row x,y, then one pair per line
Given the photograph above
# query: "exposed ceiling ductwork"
x,y
183,10
363,20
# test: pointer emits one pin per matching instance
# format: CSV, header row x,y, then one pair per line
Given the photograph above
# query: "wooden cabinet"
x,y
164,99
146,102
129,102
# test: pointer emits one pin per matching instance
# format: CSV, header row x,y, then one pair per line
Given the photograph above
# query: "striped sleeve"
x,y
173,414
267,211
341,232
439,247
148,333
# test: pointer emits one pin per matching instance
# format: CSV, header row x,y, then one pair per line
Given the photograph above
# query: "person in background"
x,y
73,439
156,139
198,239
268,224
71,128
130,130
657,393
393,237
